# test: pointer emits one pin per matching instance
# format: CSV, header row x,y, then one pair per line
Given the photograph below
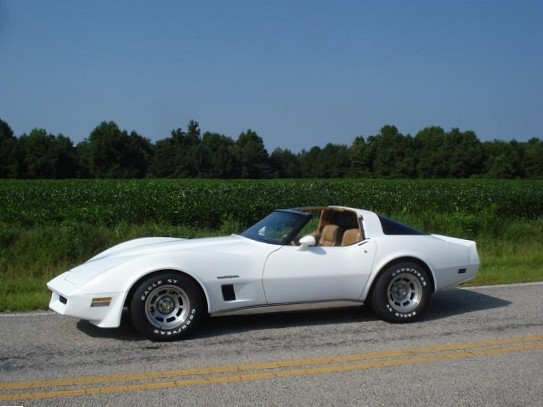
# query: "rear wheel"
x,y
166,307
401,292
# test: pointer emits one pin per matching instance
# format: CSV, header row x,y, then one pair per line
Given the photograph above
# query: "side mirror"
x,y
306,242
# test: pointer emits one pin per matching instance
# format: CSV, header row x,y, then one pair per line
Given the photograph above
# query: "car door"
x,y
317,273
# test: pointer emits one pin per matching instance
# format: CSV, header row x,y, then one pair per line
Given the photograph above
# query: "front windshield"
x,y
279,227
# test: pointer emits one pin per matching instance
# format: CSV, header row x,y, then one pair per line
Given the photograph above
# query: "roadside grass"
x,y
514,255
506,262
510,252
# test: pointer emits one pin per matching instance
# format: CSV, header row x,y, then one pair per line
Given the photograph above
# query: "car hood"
x,y
138,248
157,245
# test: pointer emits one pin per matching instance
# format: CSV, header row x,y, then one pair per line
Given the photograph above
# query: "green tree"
x,y
8,159
176,156
112,153
308,162
455,154
388,153
164,162
533,158
216,156
430,144
360,162
43,155
285,164
503,160
139,155
333,161
251,156
193,133
465,155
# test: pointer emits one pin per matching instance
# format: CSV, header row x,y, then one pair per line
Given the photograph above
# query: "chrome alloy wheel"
x,y
404,292
167,307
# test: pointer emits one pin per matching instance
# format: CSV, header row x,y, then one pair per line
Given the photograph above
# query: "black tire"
x,y
401,292
166,307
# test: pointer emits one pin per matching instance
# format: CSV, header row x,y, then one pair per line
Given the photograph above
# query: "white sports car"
x,y
291,257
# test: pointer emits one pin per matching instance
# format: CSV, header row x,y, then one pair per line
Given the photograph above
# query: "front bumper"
x,y
70,300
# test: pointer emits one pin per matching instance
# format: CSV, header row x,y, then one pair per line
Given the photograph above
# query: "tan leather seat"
x,y
330,235
351,236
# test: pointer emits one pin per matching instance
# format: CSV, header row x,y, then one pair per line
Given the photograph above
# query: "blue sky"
x,y
299,73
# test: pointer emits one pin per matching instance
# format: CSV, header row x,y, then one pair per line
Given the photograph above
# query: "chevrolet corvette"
x,y
291,257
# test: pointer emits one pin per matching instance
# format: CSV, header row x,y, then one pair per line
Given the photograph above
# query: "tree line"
x,y
110,152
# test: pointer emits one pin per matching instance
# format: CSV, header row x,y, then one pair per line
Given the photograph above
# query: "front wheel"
x,y
166,307
401,292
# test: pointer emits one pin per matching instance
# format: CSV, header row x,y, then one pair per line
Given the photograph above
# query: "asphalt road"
x,y
474,347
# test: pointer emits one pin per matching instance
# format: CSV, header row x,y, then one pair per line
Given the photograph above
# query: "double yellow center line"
x,y
125,383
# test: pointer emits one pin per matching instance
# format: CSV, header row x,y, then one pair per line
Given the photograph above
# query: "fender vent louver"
x,y
228,292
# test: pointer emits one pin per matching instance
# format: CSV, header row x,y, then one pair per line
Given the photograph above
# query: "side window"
x,y
339,228
351,236
310,228
350,226
332,228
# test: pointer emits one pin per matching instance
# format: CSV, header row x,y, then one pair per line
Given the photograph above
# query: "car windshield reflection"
x,y
278,228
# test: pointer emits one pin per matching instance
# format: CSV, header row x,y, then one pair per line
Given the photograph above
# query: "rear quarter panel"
x,y
443,258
